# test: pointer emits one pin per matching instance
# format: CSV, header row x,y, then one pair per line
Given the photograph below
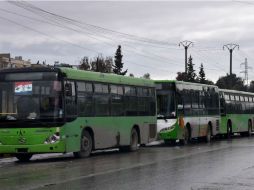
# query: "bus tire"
x,y
169,142
229,130
208,134
124,148
249,128
134,140
187,136
24,157
86,145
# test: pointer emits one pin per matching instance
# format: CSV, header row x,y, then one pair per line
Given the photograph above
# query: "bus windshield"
x,y
30,100
166,104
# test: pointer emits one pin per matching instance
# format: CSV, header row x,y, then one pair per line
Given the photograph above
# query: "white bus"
x,y
186,110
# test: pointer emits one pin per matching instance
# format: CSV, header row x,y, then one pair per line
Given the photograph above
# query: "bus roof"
x,y
236,92
105,77
76,74
29,69
187,85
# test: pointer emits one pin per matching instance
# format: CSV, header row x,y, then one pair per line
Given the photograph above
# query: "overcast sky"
x,y
209,25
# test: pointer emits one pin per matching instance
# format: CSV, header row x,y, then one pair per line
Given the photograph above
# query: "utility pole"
x,y
245,71
231,48
186,44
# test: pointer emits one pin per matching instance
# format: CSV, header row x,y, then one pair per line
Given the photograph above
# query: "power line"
x,y
44,34
245,71
148,55
32,7
216,65
246,54
231,48
29,6
186,44
93,30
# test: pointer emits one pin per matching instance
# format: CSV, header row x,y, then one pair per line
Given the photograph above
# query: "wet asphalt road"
x,y
221,165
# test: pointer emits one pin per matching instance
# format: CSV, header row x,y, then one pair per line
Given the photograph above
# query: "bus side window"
x,y
180,108
187,96
85,98
70,99
222,106
130,101
68,89
142,101
152,101
202,103
117,101
101,99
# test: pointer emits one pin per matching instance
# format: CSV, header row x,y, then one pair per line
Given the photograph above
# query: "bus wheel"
x,y
24,157
208,134
86,146
169,142
187,136
249,128
229,130
134,140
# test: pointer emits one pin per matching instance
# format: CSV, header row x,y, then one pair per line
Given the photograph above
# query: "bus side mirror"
x,y
68,89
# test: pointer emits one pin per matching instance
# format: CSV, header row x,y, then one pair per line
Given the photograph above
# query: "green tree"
x,y
146,76
118,66
100,64
231,82
191,75
84,64
181,76
251,87
108,64
209,82
201,74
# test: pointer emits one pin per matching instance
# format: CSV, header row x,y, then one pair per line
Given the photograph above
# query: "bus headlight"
x,y
168,128
52,139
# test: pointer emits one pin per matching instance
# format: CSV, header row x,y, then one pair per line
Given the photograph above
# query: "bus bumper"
x,y
168,135
58,147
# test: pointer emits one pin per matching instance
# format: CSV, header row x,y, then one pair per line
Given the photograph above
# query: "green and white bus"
x,y
237,112
59,110
186,110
